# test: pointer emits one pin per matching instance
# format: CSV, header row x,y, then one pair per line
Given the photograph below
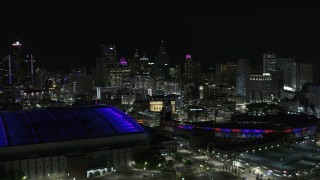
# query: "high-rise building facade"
x,y
110,53
221,74
288,72
269,62
104,63
16,63
175,73
134,62
304,74
4,70
101,72
242,77
17,69
188,68
162,63
261,88
27,71
196,71
226,74
314,98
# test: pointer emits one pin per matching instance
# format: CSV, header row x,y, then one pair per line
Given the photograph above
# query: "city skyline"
x,y
159,89
212,33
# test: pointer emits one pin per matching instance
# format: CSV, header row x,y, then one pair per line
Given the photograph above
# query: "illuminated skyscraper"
x,y
188,68
304,74
111,55
261,88
27,70
16,64
145,63
288,72
101,69
196,71
175,73
16,69
134,62
269,62
104,63
314,97
242,77
162,58
162,62
4,70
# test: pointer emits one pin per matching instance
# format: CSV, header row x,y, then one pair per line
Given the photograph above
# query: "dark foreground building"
x,y
67,142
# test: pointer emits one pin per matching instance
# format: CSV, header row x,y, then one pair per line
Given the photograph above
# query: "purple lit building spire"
x,y
123,62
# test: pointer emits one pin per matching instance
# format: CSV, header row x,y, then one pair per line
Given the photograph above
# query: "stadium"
x,y
68,142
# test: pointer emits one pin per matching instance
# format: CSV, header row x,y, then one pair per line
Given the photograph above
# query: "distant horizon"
x,y
61,35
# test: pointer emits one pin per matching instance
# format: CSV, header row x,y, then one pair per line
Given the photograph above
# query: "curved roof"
x,y
64,124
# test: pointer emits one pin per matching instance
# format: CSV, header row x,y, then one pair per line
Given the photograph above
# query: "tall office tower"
x,y
120,76
201,92
226,74
288,72
242,77
111,56
314,97
162,57
209,75
261,88
316,73
80,81
16,63
231,74
4,71
304,74
16,69
101,72
197,70
220,73
162,62
145,63
269,62
101,69
188,68
175,73
27,71
134,62
143,84
41,76
104,63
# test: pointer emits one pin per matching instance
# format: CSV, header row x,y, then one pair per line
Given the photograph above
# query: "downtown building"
x,y
262,88
104,63
17,69
242,77
192,69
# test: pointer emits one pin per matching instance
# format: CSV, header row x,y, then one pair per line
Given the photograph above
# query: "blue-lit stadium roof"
x,y
64,124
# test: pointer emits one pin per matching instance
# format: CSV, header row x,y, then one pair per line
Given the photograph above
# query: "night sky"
x,y
67,34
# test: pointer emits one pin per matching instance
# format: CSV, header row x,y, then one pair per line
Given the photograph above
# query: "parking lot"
x,y
283,161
